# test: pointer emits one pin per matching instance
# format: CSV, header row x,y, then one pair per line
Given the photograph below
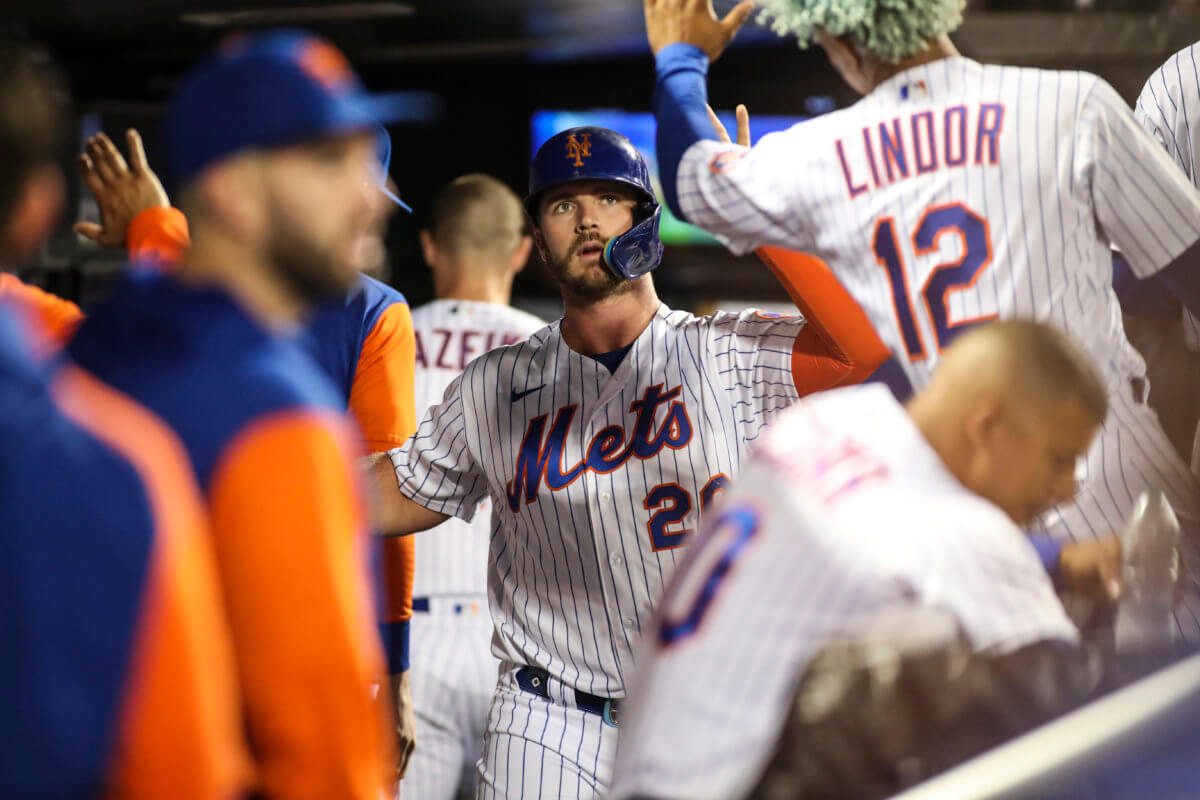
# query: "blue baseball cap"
x,y
265,90
383,153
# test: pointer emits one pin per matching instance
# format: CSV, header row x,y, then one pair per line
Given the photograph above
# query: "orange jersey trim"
x,y
180,731
55,318
158,235
287,518
838,345
381,396
381,401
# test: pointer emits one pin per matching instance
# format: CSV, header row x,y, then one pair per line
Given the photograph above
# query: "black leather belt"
x,y
534,680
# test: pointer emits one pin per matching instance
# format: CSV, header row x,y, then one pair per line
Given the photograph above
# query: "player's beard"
x,y
587,285
308,271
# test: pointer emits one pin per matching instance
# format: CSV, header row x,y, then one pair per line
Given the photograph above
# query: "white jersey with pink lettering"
x,y
843,511
956,193
453,672
1169,109
597,473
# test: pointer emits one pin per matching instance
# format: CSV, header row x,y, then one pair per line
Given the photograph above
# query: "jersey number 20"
x,y
953,218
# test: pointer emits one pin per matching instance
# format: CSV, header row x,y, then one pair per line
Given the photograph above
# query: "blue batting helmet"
x,y
588,153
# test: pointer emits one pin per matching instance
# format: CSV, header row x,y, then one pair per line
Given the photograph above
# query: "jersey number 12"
x,y
953,218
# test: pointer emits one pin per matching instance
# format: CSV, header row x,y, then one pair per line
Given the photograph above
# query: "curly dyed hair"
x,y
890,29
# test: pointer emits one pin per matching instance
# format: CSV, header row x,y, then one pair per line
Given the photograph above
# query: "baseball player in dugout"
x,y
475,243
831,521
278,207
951,194
1169,109
363,342
119,677
598,442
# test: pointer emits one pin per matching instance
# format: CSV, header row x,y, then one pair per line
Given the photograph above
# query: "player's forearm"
x,y
680,100
399,561
837,330
395,513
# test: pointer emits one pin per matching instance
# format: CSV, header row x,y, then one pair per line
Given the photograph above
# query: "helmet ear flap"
x,y
638,250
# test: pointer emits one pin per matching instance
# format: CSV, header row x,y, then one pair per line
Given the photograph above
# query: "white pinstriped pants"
x,y
453,676
534,748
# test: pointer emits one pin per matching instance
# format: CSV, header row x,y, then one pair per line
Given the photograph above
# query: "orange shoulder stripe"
x,y
180,734
288,521
381,396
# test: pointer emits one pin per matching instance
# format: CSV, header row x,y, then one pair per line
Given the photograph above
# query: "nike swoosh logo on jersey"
x,y
518,395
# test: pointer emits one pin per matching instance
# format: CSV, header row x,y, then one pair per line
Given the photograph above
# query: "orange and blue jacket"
x,y
275,460
367,348
55,319
118,675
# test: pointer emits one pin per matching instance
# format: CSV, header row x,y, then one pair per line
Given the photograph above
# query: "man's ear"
x,y
845,58
234,190
539,242
37,208
520,256
428,248
982,424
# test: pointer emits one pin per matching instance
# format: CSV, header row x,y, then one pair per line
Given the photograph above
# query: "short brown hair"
x,y
32,109
477,212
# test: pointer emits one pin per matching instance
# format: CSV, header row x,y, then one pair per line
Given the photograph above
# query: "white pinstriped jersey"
x,y
829,522
452,559
957,192
1169,108
596,478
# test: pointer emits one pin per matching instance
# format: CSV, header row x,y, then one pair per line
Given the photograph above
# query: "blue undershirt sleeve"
x,y
680,97
1049,550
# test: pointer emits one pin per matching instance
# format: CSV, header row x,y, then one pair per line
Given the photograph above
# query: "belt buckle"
x,y
611,712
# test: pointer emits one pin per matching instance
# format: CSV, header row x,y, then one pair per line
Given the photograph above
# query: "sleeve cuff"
x,y
677,56
158,233
395,645
1049,550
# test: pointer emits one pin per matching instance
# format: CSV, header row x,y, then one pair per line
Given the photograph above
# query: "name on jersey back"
x,y
920,143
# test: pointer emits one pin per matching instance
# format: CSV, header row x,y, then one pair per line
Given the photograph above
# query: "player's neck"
x,y
937,49
212,261
929,417
601,326
486,288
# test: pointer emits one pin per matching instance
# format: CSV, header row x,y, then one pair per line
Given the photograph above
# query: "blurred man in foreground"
x,y
119,679
277,205
853,505
363,342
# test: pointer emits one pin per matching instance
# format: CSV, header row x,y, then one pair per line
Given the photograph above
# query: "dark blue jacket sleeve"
x,y
1148,297
680,97
1182,277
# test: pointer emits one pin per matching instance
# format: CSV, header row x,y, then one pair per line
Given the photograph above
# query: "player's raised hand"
x,y
743,125
122,190
693,22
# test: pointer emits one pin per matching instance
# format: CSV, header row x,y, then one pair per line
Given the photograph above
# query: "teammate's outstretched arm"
x,y
395,513
685,37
